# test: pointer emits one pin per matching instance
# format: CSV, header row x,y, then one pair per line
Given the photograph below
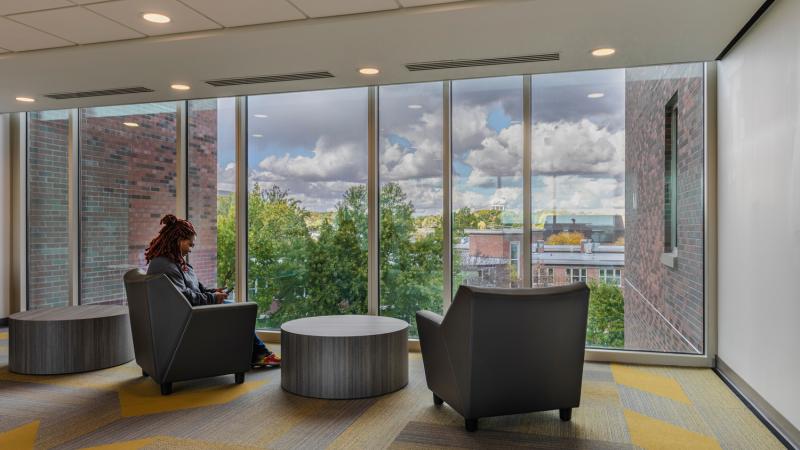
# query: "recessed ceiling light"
x,y
180,87
414,106
258,135
260,116
596,95
368,71
606,51
156,18
130,124
25,99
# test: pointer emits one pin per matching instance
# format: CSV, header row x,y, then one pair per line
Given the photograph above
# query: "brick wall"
x,y
127,185
663,305
202,149
48,249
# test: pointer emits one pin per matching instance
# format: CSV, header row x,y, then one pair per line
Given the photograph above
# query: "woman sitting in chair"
x,y
167,254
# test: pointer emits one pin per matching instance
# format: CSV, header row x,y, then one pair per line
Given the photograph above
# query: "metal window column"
x,y
526,181
18,129
373,204
241,193
181,161
73,205
447,196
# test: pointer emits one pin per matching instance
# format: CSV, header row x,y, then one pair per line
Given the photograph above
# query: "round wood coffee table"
x,y
344,357
69,339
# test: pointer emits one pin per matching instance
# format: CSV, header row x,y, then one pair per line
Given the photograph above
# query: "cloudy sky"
x,y
315,143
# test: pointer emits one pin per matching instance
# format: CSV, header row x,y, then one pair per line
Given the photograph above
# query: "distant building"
x,y
491,258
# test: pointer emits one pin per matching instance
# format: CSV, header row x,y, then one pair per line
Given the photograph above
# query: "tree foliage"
x,y
606,322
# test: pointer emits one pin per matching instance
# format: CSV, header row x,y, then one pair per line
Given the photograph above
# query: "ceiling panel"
x,y
234,13
129,13
412,3
20,6
17,37
77,25
322,8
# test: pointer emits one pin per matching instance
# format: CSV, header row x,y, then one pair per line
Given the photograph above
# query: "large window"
x,y
127,183
487,181
307,204
410,200
48,217
613,153
211,147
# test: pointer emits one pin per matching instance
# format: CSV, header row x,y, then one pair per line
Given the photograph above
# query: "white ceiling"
x,y
51,46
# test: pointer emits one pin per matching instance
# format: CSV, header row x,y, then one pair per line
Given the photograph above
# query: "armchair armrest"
x,y
218,339
436,358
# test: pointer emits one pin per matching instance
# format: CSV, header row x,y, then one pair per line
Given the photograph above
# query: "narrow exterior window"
x,y
671,176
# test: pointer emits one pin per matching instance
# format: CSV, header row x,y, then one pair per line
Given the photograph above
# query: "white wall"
x,y
5,217
759,208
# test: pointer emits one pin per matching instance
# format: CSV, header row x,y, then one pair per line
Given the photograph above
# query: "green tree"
x,y
606,322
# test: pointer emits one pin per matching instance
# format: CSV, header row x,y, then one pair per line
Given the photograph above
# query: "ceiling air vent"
x,y
455,63
270,78
66,95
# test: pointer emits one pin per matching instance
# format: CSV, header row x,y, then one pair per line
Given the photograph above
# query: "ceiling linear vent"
x,y
455,63
270,78
68,95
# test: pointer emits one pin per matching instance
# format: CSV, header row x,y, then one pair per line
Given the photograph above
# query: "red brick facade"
x,y
48,247
663,305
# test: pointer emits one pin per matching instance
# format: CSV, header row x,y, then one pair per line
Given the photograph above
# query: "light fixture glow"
x,y
156,18
414,106
25,99
260,116
180,87
258,135
606,51
130,124
368,71
596,95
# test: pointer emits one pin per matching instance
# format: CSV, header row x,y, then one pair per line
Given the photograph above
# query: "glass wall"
x,y
578,190
211,147
307,204
410,160
127,183
487,181
611,152
48,217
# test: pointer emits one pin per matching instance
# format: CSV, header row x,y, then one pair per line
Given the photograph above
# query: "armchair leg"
x,y
239,377
565,414
166,388
471,424
437,400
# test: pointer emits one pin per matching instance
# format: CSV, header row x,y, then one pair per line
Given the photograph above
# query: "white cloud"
x,y
580,148
345,161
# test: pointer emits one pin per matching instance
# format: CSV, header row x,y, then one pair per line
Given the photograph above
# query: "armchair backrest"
x,y
517,349
158,314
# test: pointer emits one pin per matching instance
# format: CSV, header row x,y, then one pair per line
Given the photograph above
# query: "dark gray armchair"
x,y
174,341
507,351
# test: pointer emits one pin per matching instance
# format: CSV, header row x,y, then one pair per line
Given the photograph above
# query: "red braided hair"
x,y
167,243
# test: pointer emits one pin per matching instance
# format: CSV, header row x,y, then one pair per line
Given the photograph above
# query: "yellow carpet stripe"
x,y
4,335
144,397
125,445
649,382
20,438
654,434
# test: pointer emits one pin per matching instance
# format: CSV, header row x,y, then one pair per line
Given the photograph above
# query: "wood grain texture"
x,y
69,339
338,366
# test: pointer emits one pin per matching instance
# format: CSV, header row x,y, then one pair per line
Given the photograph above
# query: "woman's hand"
x,y
219,297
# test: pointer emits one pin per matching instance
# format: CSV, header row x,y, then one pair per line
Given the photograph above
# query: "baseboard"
x,y
787,433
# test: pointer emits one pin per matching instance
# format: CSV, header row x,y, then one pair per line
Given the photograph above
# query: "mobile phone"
x,y
228,290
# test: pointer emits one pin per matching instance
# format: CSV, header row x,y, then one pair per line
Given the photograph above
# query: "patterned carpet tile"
x,y
621,407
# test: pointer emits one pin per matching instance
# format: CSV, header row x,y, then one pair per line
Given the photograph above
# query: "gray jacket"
x,y
186,282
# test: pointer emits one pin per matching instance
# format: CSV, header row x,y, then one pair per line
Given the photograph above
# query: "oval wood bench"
x,y
69,339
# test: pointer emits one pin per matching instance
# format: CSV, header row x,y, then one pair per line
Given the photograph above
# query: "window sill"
x,y
670,259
